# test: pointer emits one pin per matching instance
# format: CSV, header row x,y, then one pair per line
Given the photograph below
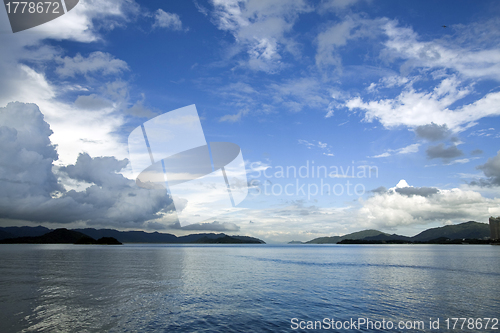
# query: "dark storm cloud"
x,y
421,191
440,151
92,102
491,170
29,190
432,132
379,190
476,152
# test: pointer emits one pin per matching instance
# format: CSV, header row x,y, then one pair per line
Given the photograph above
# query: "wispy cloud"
x,y
317,144
167,20
454,64
97,61
413,148
260,28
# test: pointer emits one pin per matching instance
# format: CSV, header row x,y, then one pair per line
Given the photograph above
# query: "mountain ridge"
x,y
465,230
127,236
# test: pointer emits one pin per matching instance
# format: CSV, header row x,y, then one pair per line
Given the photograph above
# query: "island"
x,y
463,233
91,236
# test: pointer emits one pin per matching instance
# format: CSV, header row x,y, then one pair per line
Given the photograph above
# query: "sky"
x,y
350,114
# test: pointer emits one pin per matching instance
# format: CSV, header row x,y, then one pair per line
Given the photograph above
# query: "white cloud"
x,y
167,20
317,144
294,95
260,28
456,62
213,226
101,62
75,129
332,39
388,82
336,5
25,56
92,102
297,219
392,209
290,95
414,108
461,161
413,148
258,167
386,154
482,132
232,118
467,60
79,23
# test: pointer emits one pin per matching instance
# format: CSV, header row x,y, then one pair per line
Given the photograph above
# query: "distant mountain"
x,y
58,236
61,236
225,240
354,235
10,232
295,242
466,230
163,238
442,235
387,237
130,236
126,236
5,234
250,240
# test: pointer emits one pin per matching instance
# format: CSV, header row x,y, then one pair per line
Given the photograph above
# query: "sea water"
x,y
247,288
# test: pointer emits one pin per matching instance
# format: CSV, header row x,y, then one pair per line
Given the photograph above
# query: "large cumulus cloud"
x,y
30,190
26,153
407,205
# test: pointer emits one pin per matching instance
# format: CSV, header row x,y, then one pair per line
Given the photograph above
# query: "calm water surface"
x,y
254,288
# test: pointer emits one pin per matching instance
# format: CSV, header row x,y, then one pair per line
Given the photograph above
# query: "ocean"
x,y
249,288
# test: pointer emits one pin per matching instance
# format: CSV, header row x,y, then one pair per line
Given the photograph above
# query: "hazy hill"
x,y
130,236
466,230
157,237
354,235
11,232
387,237
5,234
248,239
225,240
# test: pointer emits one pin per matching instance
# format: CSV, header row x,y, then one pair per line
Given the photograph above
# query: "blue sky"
x,y
340,84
